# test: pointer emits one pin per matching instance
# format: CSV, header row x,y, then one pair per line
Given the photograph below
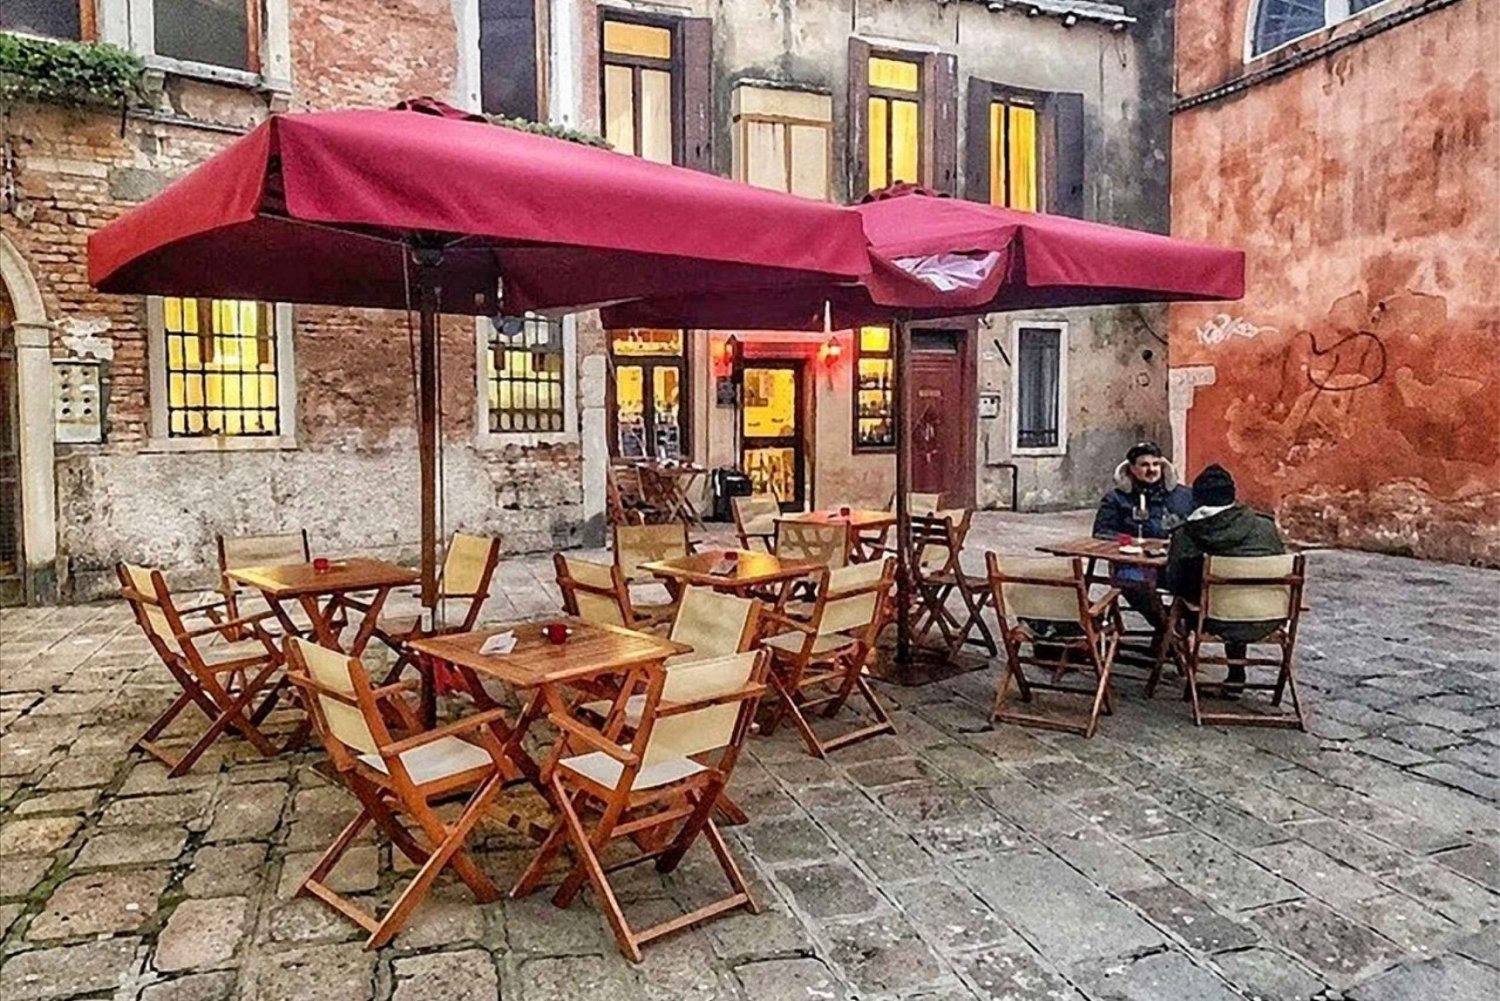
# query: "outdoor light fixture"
x,y
1119,26
1070,20
832,351
1034,12
508,326
996,5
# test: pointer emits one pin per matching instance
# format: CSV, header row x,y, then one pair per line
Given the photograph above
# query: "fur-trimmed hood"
x,y
1123,481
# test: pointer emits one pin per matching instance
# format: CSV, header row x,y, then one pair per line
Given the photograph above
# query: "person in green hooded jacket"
x,y
1220,526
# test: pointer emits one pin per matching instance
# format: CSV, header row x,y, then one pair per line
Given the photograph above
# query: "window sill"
x,y
1053,451
217,74
498,441
285,443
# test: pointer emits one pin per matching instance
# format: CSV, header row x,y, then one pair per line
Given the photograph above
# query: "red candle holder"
x,y
322,565
556,633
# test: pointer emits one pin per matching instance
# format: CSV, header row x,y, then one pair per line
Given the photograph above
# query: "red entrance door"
x,y
942,421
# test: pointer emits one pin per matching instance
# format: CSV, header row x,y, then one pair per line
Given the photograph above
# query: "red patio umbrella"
x,y
937,257
387,208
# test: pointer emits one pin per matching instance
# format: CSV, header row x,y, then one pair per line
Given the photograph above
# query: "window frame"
x,y
160,438
889,354
742,120
1331,20
1061,448
1046,143
488,440
88,24
131,24
683,362
674,66
920,97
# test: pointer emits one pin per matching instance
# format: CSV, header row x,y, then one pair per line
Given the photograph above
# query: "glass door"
x,y
771,448
648,412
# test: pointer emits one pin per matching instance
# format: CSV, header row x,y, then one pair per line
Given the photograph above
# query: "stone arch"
x,y
33,336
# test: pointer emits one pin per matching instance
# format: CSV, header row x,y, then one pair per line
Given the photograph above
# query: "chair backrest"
x,y
853,600
825,544
339,687
1045,588
146,591
936,537
755,514
637,544
469,564
715,624
704,705
595,592
268,549
918,503
1251,588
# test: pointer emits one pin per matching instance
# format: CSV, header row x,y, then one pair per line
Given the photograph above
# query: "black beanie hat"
x,y
1214,487
1143,448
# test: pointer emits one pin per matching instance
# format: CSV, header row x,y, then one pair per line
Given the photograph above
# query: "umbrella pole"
x,y
427,414
902,336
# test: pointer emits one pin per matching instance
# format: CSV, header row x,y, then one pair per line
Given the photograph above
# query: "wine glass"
x,y
1140,514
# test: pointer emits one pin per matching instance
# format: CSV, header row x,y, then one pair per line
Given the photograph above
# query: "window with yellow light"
x,y
639,66
874,385
894,121
526,378
222,368
1015,155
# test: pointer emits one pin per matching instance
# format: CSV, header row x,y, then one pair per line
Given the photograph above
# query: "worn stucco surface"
x,y
1356,389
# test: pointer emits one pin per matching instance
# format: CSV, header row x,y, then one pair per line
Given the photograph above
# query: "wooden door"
x,y
942,424
12,560
771,424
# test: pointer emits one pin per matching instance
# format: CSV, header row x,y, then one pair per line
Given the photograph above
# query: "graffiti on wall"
x,y
1222,327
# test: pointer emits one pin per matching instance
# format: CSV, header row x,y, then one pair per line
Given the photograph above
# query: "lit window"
x,y
222,368
214,32
647,394
1015,176
783,140
525,378
1278,22
874,410
638,86
895,122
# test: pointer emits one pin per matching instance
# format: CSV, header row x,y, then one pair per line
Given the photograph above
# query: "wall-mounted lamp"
x,y
1070,20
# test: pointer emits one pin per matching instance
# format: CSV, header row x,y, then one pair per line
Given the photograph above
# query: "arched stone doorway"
x,y
31,506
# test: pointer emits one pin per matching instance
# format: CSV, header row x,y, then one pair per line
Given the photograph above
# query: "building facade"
x,y
141,428
1351,148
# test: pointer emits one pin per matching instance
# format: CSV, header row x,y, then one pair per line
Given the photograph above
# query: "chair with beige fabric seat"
x,y
1048,621
937,543
755,520
594,592
267,549
635,545
827,653
824,544
395,779
463,588
1256,600
233,681
658,791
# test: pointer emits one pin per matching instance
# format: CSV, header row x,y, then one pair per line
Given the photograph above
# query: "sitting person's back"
x,y
1220,526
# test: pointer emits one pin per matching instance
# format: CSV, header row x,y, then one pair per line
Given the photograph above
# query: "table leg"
x,y
427,696
322,630
368,623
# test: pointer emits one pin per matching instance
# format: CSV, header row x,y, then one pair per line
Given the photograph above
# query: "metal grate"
x,y
222,368
526,378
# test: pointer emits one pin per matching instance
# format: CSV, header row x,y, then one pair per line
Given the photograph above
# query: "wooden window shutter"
x,y
942,111
858,112
977,141
1065,193
697,94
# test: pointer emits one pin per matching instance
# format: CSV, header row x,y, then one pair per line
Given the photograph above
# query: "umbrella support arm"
x,y
428,290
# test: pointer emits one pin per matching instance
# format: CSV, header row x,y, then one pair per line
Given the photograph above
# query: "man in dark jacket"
x,y
1147,482
1220,526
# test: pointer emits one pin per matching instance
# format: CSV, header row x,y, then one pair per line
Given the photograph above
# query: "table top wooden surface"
x,y
590,650
750,568
674,469
1108,549
856,519
294,579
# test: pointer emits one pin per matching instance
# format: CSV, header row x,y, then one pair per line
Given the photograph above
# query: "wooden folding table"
x,y
309,586
733,571
867,528
1152,558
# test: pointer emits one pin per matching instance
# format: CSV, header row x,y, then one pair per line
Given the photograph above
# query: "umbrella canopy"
x,y
323,207
937,257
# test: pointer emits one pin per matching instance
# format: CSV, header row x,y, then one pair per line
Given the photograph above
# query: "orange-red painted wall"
x,y
1355,390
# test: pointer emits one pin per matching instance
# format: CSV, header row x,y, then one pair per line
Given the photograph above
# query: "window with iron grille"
x,y
1278,22
222,368
1040,386
526,377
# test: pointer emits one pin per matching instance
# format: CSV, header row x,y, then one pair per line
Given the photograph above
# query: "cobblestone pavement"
x,y
951,861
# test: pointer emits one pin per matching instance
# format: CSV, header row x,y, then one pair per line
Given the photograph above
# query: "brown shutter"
x,y
1065,192
697,94
942,99
858,113
977,141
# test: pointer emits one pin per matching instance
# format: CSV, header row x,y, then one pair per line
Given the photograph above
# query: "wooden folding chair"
x,y
825,544
937,543
463,588
827,653
638,544
755,520
659,790
594,592
261,550
223,679
1244,592
1043,606
393,779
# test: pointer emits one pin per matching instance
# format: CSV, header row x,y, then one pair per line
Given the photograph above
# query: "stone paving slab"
x,y
949,862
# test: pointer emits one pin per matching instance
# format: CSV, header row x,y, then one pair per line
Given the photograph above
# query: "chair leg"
x,y
588,863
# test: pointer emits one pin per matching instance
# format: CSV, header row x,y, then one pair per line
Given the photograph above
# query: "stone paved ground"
x,y
952,861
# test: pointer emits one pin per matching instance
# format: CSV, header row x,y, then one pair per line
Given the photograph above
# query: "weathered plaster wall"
x,y
1356,389
351,481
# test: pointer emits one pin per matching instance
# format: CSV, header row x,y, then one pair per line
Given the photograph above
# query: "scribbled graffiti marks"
x,y
1222,327
1354,360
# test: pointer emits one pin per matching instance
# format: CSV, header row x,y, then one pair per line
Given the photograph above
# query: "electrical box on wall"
x,y
989,405
77,403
